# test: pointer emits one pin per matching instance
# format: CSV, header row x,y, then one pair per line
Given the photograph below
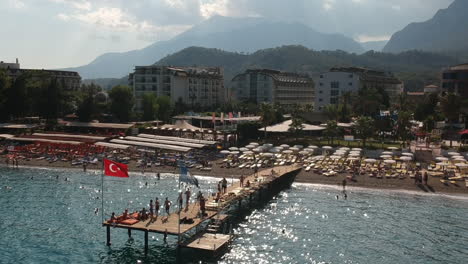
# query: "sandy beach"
x,y
364,181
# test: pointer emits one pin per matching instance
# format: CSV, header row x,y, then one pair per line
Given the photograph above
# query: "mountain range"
x,y
231,34
446,32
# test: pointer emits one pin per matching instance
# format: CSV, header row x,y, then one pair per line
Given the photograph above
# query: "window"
x,y
320,100
321,84
350,84
333,100
350,76
335,85
320,92
321,76
334,93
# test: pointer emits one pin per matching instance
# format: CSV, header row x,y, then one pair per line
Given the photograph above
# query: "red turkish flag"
x,y
115,169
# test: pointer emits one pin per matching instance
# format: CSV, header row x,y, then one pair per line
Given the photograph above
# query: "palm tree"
x,y
364,128
331,130
296,126
267,115
450,105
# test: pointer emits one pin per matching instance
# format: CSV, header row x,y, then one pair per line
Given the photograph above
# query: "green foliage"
x,y
180,107
121,102
164,110
248,131
450,105
150,107
332,130
364,128
267,115
403,126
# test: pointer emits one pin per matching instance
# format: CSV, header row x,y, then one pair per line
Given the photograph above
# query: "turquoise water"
x,y
50,220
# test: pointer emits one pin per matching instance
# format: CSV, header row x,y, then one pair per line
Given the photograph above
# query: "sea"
x,y
54,216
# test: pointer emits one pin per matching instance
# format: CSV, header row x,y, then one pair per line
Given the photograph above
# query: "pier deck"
x,y
209,242
169,224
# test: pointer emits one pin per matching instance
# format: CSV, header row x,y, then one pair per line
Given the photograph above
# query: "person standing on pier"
x,y
156,206
224,184
241,181
167,206
151,209
202,206
180,199
187,198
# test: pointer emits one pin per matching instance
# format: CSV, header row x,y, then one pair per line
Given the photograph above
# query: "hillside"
x,y
417,67
447,31
231,34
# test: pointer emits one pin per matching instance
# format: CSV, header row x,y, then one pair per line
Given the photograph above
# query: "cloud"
x,y
367,38
18,4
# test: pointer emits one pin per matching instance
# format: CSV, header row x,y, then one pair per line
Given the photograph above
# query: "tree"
x,y
5,84
364,128
331,130
180,107
164,110
403,125
121,102
450,105
267,115
367,102
150,106
86,109
332,112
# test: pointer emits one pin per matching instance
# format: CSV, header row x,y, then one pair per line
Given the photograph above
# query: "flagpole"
x,y
102,191
180,210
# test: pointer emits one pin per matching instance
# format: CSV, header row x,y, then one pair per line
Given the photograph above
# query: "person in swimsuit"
x,y
156,206
151,209
187,198
167,206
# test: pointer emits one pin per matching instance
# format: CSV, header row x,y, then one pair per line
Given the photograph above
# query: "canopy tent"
x,y
45,140
69,136
179,139
17,126
182,124
111,145
151,145
285,126
6,136
166,142
98,125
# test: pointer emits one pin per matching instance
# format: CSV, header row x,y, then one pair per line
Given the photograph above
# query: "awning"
x,y
150,145
285,126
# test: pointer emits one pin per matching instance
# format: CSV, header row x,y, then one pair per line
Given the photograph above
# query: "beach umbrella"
x,y
279,148
327,147
275,150
441,158
254,144
389,161
392,148
461,165
268,145
243,149
267,155
406,158
354,154
233,149
385,156
353,158
318,157
312,147
285,146
225,152
257,150
235,152
303,152
357,149
344,148
299,146
339,154
335,157
443,164
370,160
454,154
457,157
288,151
250,146
387,153
294,149
407,154
248,152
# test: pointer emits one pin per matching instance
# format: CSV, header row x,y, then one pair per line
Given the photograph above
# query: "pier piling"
x,y
108,243
146,242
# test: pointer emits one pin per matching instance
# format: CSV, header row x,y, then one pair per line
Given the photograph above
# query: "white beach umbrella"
x,y
250,146
407,154
389,161
257,150
335,157
233,149
243,149
235,152
286,146
327,147
339,154
312,147
354,155
275,150
454,154
288,151
355,152
344,148
254,143
392,148
385,156
353,158
461,165
268,155
294,149
370,160
225,152
441,158
318,157
248,152
299,146
457,157
303,152
387,153
443,164
406,158
279,147
358,149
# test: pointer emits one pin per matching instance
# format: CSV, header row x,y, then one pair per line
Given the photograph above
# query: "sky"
x,y
67,33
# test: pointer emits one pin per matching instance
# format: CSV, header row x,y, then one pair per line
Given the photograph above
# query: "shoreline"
x,y
303,177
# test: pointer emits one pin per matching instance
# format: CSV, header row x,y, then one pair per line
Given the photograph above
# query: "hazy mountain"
x,y
415,67
374,45
447,31
231,34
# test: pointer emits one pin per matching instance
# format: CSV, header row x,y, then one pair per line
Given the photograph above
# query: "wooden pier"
x,y
169,224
